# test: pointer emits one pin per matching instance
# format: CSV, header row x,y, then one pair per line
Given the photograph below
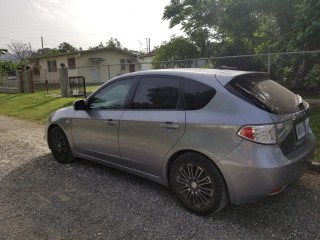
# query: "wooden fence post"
x,y
64,83
20,81
29,80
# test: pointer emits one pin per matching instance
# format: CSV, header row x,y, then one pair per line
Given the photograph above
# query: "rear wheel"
x,y
198,184
59,145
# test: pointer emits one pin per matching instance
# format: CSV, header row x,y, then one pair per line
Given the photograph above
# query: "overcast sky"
x,y
84,23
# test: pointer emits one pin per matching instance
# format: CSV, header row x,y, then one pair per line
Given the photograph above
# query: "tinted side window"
x,y
112,96
157,93
264,93
196,95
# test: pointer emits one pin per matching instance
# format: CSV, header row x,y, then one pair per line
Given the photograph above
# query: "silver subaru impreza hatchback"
x,y
213,136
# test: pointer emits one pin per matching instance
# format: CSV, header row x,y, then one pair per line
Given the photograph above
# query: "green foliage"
x,y
48,51
114,43
111,43
3,51
177,48
65,47
315,126
312,80
306,27
7,68
258,26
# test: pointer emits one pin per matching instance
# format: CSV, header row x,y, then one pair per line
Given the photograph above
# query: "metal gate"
x,y
77,86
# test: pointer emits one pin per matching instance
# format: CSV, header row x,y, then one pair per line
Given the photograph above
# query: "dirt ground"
x,y
42,199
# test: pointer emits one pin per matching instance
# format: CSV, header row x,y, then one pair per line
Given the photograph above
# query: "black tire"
x,y
198,184
59,145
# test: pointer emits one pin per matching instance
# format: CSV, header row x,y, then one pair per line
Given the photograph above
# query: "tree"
x,y
20,50
198,19
3,51
48,51
65,47
111,43
306,27
260,25
114,43
177,48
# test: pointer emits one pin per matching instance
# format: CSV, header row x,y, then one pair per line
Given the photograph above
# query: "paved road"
x,y
41,199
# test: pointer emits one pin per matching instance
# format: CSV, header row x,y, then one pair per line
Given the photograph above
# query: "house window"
x,y
123,64
71,62
52,66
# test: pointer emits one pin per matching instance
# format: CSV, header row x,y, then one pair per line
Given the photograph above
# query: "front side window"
x,y
52,66
112,96
157,93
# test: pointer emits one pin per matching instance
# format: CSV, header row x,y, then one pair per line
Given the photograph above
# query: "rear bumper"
x,y
252,171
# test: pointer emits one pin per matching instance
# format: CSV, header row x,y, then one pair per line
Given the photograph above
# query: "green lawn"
x,y
38,106
34,106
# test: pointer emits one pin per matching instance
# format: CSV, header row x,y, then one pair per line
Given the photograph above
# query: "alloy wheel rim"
x,y
59,144
195,185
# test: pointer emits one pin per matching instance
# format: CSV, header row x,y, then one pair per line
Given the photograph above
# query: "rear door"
x,y
153,125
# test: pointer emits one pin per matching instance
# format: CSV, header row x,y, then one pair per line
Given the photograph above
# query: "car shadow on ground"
x,y
43,199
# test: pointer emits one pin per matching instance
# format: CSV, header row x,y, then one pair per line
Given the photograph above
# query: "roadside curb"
x,y
315,167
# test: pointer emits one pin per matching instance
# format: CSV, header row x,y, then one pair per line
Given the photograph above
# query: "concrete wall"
x,y
106,69
146,63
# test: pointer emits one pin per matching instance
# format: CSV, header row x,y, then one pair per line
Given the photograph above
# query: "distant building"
x,y
146,60
96,65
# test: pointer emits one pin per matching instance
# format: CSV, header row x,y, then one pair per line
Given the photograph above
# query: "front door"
x,y
95,131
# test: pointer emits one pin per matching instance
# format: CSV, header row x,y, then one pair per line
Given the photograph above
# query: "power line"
x,y
48,30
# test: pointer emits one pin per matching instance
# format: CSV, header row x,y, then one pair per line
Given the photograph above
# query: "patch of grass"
x,y
35,106
315,126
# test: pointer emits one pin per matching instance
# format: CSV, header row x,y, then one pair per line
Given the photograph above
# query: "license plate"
x,y
300,130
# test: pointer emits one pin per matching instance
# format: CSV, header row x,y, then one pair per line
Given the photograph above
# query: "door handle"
x,y
169,125
110,122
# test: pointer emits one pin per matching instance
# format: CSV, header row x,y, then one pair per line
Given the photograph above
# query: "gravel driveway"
x,y
42,199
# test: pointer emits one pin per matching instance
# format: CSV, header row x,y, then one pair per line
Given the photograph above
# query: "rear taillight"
x,y
266,134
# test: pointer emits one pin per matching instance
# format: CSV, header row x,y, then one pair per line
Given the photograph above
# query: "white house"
x,y
95,65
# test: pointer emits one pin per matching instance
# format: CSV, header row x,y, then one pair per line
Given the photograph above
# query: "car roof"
x,y
222,75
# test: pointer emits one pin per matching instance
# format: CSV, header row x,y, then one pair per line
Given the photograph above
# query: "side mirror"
x,y
80,105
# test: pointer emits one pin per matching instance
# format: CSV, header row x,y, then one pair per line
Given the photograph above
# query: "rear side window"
x,y
264,93
157,93
196,95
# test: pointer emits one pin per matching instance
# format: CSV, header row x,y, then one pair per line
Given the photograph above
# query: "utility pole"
x,y
42,45
30,46
148,44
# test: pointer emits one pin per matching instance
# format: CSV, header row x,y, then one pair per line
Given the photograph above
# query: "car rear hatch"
x,y
288,111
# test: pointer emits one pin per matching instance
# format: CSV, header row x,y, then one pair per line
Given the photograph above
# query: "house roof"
x,y
150,54
85,52
8,57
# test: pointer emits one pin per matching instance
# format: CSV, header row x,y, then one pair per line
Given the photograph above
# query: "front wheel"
x,y
198,184
59,145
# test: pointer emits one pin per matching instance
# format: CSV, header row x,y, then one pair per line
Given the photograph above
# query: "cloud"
x,y
43,11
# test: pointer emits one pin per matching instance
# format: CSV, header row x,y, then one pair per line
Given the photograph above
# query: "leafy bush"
x,y
312,80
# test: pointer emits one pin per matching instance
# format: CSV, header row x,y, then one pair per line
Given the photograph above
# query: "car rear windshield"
x,y
265,93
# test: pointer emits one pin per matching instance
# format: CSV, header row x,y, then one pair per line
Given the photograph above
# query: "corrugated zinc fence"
x,y
298,71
